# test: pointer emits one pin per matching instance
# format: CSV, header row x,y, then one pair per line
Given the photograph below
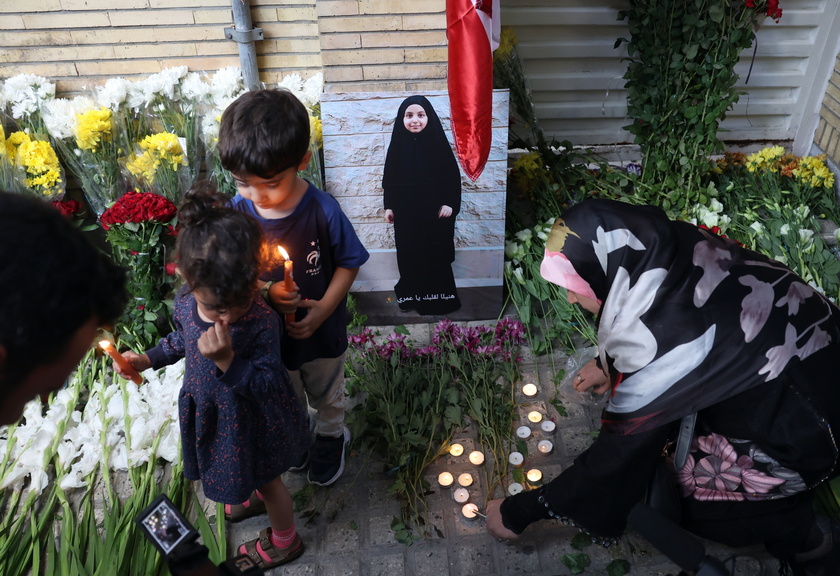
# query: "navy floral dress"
x,y
243,428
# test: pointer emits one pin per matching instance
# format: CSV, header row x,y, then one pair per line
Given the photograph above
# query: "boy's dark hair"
x,y
53,280
263,132
218,248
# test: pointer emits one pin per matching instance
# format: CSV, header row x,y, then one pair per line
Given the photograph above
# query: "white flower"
x,y
312,89
758,227
113,94
524,235
518,275
26,92
784,229
60,115
225,86
715,206
806,235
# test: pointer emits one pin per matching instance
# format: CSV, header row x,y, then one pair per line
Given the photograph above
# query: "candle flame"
x,y
283,253
104,344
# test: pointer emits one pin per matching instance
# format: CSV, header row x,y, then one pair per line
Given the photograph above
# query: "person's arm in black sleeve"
x,y
597,492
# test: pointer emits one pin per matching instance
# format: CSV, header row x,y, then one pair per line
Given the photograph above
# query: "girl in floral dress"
x,y
241,423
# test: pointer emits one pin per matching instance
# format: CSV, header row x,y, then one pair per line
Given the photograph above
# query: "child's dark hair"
x,y
219,249
263,132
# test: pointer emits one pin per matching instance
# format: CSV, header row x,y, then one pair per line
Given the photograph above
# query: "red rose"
x,y
138,207
170,268
141,307
68,207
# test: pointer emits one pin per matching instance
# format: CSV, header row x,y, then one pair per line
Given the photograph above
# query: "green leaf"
x,y
618,567
581,541
401,329
576,561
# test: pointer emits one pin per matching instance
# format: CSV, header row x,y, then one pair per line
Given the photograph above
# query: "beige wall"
x,y
360,45
827,136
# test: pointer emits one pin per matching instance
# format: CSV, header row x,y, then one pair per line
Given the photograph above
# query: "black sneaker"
x,y
327,458
301,464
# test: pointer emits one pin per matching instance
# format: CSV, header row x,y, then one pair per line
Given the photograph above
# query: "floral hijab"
x,y
688,318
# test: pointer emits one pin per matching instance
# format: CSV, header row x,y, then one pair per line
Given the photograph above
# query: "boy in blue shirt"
x,y
264,142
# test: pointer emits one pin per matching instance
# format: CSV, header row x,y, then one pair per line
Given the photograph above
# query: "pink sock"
x,y
283,538
260,496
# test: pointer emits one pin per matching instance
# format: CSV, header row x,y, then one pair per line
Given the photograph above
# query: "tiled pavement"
x,y
349,533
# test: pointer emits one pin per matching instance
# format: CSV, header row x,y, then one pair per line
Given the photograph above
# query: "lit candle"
x,y
476,458
516,459
470,511
456,450
465,479
534,416
445,479
548,426
523,432
545,447
120,360
529,389
534,477
515,488
461,495
288,278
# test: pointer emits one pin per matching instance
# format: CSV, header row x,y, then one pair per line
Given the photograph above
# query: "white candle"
x,y
445,479
516,459
523,432
534,477
456,450
529,390
548,426
465,479
545,446
461,495
534,416
515,488
470,511
476,458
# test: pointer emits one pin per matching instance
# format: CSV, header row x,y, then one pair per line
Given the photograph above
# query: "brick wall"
x,y
827,136
360,45
83,42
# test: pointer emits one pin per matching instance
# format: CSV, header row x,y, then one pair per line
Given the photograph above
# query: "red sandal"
x,y
266,555
253,507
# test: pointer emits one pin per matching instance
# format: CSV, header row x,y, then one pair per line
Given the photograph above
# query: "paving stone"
x,y
474,556
386,565
428,559
342,537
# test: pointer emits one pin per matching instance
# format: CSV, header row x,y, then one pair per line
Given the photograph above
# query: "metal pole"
x,y
245,36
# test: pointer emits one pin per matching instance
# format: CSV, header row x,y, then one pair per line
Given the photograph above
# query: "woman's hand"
x,y
591,378
389,216
445,211
495,526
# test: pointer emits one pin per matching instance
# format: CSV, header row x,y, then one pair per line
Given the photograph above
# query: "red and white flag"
x,y
473,29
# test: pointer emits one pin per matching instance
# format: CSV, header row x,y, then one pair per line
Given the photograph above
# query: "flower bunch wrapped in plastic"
x,y
31,166
158,166
86,136
139,229
24,96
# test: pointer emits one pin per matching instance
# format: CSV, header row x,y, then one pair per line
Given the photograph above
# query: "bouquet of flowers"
x,y
158,166
139,228
30,165
225,86
86,137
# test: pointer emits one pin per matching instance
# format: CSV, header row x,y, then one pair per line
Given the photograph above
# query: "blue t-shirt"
x,y
319,238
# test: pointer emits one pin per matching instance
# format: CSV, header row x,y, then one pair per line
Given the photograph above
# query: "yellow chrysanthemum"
x,y
92,128
13,142
165,147
813,171
143,166
315,128
42,168
765,159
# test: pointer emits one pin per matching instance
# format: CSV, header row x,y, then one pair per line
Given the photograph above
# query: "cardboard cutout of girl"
x,y
422,185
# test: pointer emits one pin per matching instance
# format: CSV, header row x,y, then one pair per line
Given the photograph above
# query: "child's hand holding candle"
x,y
125,368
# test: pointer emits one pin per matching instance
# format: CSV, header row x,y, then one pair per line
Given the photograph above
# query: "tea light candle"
x,y
516,459
456,450
470,511
515,488
534,416
445,479
545,447
534,477
465,479
461,495
548,426
476,458
529,390
523,432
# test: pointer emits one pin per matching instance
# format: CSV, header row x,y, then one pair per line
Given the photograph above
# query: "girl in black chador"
x,y
422,197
